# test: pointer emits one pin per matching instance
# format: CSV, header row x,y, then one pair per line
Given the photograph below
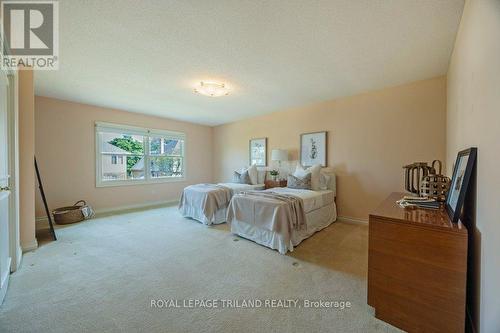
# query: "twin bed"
x,y
271,221
279,218
207,203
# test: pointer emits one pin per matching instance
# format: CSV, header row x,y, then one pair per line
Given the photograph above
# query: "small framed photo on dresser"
x,y
313,149
462,171
258,151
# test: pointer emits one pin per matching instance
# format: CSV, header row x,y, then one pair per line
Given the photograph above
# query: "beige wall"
x,y
26,165
370,137
474,120
65,149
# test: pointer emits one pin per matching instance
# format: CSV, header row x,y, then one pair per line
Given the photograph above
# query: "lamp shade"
x,y
279,155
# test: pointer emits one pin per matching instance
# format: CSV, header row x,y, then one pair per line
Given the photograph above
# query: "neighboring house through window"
x,y
132,155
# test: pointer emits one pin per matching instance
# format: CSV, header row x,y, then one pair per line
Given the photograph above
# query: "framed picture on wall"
x,y
258,151
460,182
313,149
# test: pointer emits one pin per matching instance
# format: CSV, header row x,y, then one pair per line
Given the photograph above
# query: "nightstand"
x,y
275,183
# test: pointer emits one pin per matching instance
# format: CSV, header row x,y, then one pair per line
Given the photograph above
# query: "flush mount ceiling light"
x,y
212,89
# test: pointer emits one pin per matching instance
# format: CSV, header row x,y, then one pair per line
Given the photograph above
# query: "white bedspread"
x,y
236,187
249,216
312,199
207,203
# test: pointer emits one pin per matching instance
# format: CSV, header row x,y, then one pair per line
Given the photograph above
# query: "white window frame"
x,y
147,133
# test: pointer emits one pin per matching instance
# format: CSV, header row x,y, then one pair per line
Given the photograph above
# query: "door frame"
x,y
15,250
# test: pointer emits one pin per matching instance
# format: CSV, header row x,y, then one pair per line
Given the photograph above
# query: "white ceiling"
x,y
145,56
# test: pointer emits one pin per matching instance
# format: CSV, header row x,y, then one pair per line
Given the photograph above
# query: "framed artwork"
x,y
459,183
258,152
313,149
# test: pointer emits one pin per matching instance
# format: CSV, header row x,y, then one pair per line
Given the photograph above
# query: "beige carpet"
x,y
102,274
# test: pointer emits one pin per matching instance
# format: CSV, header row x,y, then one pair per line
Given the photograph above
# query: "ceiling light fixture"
x,y
212,89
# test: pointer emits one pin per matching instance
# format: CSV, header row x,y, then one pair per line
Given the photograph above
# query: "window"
x,y
130,155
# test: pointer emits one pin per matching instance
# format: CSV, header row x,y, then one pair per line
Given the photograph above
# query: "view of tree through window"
x,y
120,156
165,157
128,143
125,157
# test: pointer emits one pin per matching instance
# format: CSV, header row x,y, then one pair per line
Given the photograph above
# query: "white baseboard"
x,y
159,204
30,246
123,209
351,220
132,208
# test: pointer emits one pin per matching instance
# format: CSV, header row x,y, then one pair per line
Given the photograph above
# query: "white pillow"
x,y
324,181
315,175
299,171
253,173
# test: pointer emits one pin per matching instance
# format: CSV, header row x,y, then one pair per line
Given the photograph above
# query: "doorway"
x,y
5,190
10,249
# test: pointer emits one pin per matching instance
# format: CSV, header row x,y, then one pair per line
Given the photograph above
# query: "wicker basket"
x,y
69,214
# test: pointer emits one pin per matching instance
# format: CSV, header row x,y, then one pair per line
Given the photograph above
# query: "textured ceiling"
x,y
145,56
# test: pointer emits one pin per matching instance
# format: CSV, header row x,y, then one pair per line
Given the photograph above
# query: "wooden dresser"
x,y
417,268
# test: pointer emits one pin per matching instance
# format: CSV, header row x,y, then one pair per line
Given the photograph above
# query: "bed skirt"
x,y
196,213
316,220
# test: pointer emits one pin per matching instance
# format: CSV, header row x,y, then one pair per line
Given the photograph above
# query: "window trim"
x,y
147,133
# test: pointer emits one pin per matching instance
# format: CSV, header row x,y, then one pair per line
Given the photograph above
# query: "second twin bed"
x,y
279,218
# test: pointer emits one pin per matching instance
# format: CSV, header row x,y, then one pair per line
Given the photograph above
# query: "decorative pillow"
x,y
302,183
253,173
314,171
324,181
242,178
299,171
